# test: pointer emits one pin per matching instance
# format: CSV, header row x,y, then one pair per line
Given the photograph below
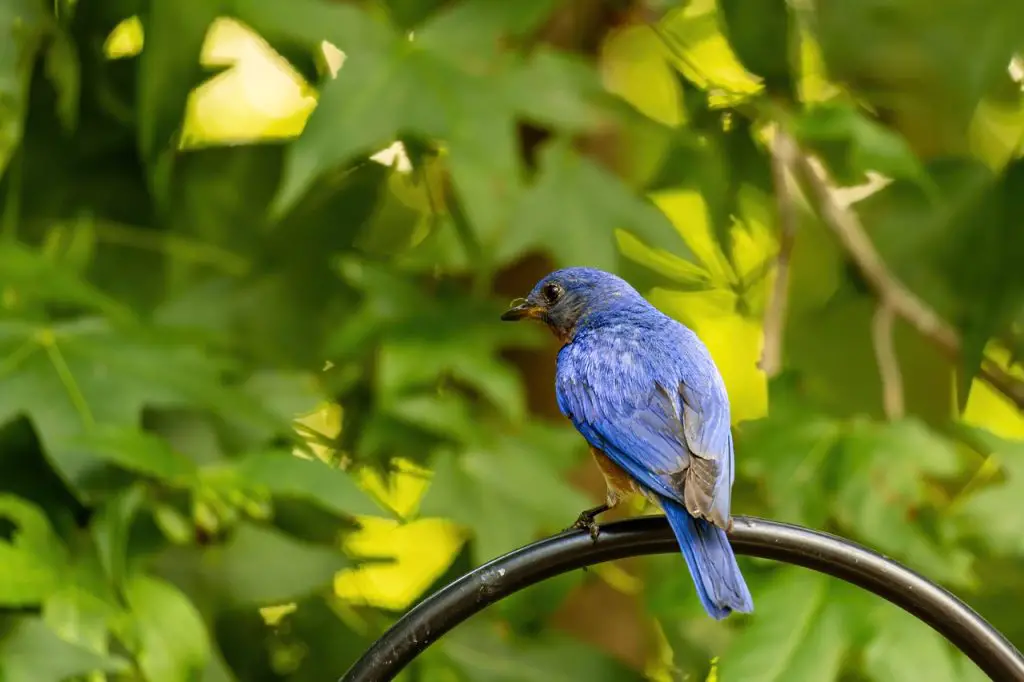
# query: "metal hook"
x,y
822,552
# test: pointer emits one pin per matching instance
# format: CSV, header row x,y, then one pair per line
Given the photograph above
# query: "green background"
x,y
255,398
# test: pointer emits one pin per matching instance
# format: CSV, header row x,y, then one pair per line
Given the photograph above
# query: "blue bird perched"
x,y
644,392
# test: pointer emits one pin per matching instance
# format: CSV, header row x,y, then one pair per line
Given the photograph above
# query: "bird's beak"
x,y
523,310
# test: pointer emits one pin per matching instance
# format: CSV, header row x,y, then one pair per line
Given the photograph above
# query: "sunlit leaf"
x,y
33,560
172,641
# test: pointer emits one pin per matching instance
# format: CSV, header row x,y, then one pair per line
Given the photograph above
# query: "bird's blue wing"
x,y
673,440
705,416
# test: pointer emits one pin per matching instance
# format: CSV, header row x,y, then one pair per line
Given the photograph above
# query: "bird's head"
x,y
564,298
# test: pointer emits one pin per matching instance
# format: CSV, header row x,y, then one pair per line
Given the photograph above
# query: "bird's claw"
x,y
586,522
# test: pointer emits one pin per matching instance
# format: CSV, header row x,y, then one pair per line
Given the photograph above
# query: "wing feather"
x,y
675,441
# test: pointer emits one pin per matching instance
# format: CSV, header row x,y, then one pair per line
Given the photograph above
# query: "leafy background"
x,y
255,399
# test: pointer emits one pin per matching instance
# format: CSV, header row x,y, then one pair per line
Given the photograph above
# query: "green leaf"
x,y
23,25
762,34
288,476
884,472
923,68
797,633
169,67
71,377
481,654
64,71
260,566
410,363
33,277
427,87
906,648
957,255
530,609
828,346
983,515
868,145
84,610
190,432
220,197
474,28
307,23
483,489
408,13
32,652
559,90
136,451
394,305
111,530
256,567
79,616
994,285
580,232
968,670
376,96
334,639
171,637
288,394
788,453
449,415
33,561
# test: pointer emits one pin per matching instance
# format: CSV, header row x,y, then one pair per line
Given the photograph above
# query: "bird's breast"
x,y
615,477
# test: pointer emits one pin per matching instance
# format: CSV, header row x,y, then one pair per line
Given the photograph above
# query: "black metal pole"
x,y
456,602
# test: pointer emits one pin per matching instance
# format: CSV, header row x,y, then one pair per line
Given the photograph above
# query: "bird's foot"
x,y
586,521
589,524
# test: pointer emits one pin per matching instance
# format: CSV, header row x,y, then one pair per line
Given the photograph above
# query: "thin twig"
x,y
888,363
892,292
783,153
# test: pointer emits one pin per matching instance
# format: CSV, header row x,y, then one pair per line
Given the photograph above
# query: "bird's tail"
x,y
712,564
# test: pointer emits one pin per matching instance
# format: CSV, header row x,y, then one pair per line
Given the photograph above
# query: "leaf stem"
x,y
67,379
20,354
985,472
182,248
846,227
783,151
888,362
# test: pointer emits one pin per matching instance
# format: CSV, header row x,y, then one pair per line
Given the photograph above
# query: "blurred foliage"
x,y
256,399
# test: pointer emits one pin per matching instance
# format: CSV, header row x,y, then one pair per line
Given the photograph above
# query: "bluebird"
x,y
644,392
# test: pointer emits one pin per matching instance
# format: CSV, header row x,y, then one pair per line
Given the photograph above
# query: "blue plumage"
x,y
644,392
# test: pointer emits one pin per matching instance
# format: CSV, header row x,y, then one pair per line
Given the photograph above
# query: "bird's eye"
x,y
551,292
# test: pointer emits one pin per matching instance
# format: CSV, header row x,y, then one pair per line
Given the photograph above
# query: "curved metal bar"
x,y
828,554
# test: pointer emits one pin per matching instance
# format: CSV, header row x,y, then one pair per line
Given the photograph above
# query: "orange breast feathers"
x,y
620,484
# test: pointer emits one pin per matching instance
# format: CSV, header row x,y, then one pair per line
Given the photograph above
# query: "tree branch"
x,y
784,151
891,291
888,363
